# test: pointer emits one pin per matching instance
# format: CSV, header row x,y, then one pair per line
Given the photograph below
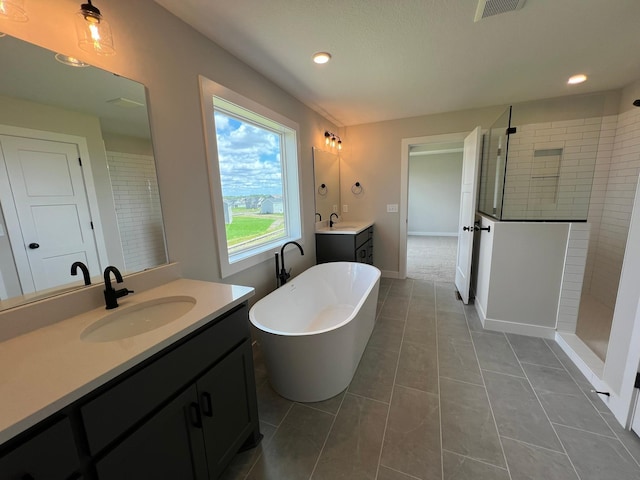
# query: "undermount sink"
x,y
136,319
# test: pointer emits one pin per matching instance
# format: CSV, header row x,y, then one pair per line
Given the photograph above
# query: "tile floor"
x,y
436,397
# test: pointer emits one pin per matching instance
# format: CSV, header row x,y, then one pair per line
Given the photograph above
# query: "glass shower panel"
x,y
496,142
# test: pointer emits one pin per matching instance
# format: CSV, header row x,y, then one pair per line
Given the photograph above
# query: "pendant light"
x,y
13,10
94,33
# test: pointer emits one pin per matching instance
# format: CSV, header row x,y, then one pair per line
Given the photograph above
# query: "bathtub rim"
x,y
356,308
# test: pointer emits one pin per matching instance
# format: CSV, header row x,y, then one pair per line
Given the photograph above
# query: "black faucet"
x,y
112,295
319,216
331,222
85,271
283,275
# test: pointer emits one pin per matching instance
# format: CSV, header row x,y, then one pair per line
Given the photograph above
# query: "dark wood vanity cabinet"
x,y
345,247
183,413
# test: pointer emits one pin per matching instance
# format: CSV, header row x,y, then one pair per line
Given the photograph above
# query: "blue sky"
x,y
249,158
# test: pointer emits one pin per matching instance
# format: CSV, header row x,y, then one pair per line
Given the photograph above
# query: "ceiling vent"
x,y
488,8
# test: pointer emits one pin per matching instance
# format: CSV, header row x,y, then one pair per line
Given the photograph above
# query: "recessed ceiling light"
x,y
321,57
577,79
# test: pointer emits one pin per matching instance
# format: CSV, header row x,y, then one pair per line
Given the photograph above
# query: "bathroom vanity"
x,y
178,401
345,242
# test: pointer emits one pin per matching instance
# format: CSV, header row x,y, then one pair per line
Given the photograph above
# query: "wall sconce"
x,y
332,139
94,32
13,10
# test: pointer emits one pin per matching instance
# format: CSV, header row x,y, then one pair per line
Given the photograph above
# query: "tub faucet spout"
x,y
284,275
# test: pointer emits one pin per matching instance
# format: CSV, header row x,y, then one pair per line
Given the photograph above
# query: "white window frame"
x,y
292,198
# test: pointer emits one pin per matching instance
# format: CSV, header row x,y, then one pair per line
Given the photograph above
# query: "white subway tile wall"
x,y
542,186
137,203
572,278
616,203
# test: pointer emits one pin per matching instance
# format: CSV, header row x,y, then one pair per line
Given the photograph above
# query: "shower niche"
x,y
538,171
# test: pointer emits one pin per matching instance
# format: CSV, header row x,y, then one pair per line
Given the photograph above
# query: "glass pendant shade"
x,y
13,10
94,32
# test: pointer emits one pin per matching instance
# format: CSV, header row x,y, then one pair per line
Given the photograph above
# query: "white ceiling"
x,y
403,58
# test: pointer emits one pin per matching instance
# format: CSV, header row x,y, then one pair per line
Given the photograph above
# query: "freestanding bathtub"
x,y
313,330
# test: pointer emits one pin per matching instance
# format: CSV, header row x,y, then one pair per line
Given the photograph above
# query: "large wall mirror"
x,y
326,172
77,174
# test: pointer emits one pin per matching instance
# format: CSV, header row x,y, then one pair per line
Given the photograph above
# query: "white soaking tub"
x,y
314,329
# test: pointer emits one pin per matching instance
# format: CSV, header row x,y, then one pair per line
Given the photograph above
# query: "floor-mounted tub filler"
x,y
313,330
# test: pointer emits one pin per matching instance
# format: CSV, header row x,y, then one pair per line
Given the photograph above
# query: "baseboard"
x,y
389,274
433,234
519,328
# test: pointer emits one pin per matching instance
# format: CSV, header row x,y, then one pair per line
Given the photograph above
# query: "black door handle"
x,y
206,405
34,245
196,419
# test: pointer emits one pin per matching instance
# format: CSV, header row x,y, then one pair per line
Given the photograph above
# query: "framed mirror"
x,y
77,174
326,173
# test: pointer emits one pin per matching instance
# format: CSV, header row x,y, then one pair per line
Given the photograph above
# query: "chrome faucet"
x,y
111,295
85,271
283,275
331,222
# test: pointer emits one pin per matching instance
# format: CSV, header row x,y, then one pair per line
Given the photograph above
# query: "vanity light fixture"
x,y
13,10
332,140
321,57
70,61
576,79
94,32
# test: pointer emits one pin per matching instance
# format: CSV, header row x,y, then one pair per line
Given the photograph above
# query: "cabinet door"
x,y
50,454
228,405
169,446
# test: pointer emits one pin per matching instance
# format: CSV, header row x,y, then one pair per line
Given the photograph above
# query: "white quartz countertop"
x,y
344,228
49,368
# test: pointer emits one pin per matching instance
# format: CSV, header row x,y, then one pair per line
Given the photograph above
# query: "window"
x,y
253,165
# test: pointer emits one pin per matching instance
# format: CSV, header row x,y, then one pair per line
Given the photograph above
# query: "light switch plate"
x,y
345,208
392,208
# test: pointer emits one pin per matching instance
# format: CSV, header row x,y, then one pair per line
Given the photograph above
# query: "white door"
x,y
468,199
54,226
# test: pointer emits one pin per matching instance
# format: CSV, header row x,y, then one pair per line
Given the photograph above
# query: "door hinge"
x,y
91,225
637,384
79,161
511,130
499,151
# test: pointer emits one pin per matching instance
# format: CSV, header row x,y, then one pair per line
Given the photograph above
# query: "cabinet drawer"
x,y
135,395
50,454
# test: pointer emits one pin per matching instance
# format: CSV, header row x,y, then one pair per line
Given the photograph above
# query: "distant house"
x,y
228,215
272,205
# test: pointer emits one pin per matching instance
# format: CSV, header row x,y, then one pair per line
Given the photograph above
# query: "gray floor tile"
x,y
387,334
457,467
295,447
564,401
495,354
353,447
375,373
385,473
420,328
473,320
272,408
533,350
243,461
596,457
331,405
452,324
627,437
518,412
395,306
401,287
528,462
418,366
468,427
424,289
457,360
412,440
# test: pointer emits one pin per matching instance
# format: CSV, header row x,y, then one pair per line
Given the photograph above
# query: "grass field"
x,y
249,224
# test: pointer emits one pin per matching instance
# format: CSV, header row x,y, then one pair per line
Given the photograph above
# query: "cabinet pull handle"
x,y
196,419
205,404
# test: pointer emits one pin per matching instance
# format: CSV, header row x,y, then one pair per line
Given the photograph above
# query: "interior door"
x,y
468,199
54,226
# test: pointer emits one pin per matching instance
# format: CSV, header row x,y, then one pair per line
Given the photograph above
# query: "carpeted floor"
x,y
431,258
